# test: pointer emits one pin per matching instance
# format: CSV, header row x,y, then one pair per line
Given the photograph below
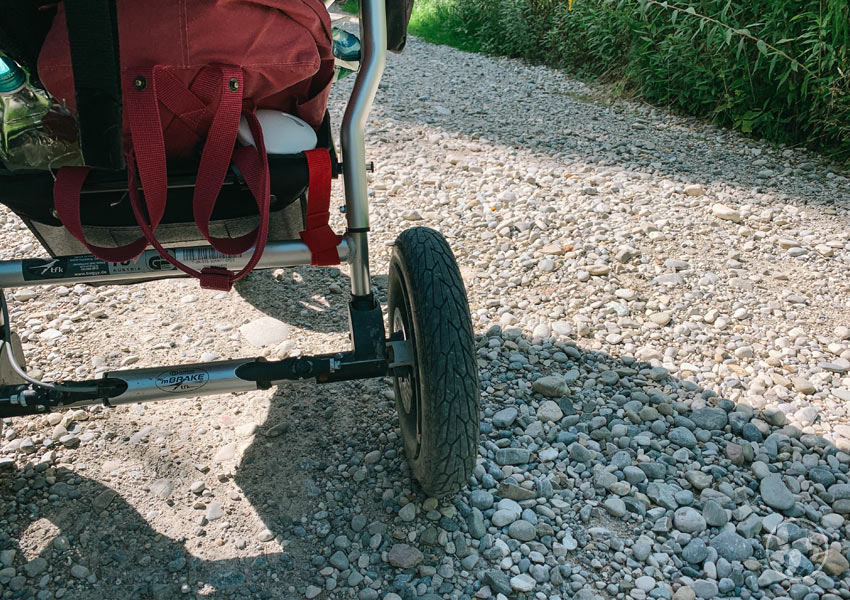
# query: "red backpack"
x,y
190,69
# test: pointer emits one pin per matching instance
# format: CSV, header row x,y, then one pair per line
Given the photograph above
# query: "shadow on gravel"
x,y
311,298
307,475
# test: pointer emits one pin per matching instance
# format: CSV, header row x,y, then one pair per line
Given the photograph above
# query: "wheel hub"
x,y
407,386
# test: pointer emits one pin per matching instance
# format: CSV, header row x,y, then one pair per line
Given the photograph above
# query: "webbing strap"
x,y
149,150
318,235
144,90
66,201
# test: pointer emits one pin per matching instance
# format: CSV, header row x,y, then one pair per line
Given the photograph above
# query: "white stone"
x,y
265,331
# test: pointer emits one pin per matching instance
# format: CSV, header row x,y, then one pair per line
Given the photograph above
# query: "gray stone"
x,y
552,386
731,546
662,494
579,453
698,479
162,488
404,556
615,507
512,456
695,552
35,567
505,417
634,475
407,512
481,499
515,492
522,530
769,577
653,470
802,385
750,527
498,582
104,499
774,493
709,418
522,583
641,551
79,571
475,522
225,453
689,520
501,518
705,588
339,560
714,514
725,213
682,437
839,491
214,511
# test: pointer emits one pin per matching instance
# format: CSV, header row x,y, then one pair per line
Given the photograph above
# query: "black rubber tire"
x,y
438,398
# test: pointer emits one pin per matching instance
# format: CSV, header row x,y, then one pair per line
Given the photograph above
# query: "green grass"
x,y
349,6
776,69
437,22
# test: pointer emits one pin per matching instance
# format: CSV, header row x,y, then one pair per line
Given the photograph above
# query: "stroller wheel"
x,y
437,398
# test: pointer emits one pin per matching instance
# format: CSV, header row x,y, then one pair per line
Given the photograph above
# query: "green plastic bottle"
x,y
346,51
35,131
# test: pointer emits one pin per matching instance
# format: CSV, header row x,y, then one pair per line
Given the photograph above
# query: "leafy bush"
x,y
775,68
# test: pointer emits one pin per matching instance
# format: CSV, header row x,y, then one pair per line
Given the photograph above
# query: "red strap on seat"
x,y
318,235
66,200
142,104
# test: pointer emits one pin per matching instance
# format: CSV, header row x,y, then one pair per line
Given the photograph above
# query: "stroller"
x,y
426,347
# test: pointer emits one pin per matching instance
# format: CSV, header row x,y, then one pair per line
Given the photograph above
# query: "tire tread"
x,y
446,354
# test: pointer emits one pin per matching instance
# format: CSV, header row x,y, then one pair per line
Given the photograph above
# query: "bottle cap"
x,y
12,77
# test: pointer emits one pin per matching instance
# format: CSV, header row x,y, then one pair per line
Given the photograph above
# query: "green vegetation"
x,y
779,69
349,6
438,23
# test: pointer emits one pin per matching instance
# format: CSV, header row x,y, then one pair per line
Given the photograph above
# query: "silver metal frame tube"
x,y
373,33
85,268
185,381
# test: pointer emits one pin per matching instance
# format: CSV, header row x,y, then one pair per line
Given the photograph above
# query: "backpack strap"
x,y
66,200
146,163
142,104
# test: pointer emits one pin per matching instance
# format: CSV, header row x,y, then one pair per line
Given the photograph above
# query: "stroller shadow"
x,y
315,299
305,475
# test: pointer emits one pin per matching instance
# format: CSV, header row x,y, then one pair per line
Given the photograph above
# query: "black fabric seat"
x,y
108,218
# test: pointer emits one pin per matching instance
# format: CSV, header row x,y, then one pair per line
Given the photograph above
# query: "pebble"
x,y
162,488
79,571
522,530
265,535
549,411
505,417
731,546
725,213
265,332
522,583
689,520
407,512
552,386
775,493
404,556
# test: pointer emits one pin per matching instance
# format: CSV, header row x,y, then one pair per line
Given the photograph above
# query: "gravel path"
x,y
662,320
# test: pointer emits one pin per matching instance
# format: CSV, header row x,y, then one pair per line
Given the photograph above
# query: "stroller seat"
x,y
108,218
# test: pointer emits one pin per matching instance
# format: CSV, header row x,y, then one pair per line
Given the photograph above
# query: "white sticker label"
x,y
180,381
